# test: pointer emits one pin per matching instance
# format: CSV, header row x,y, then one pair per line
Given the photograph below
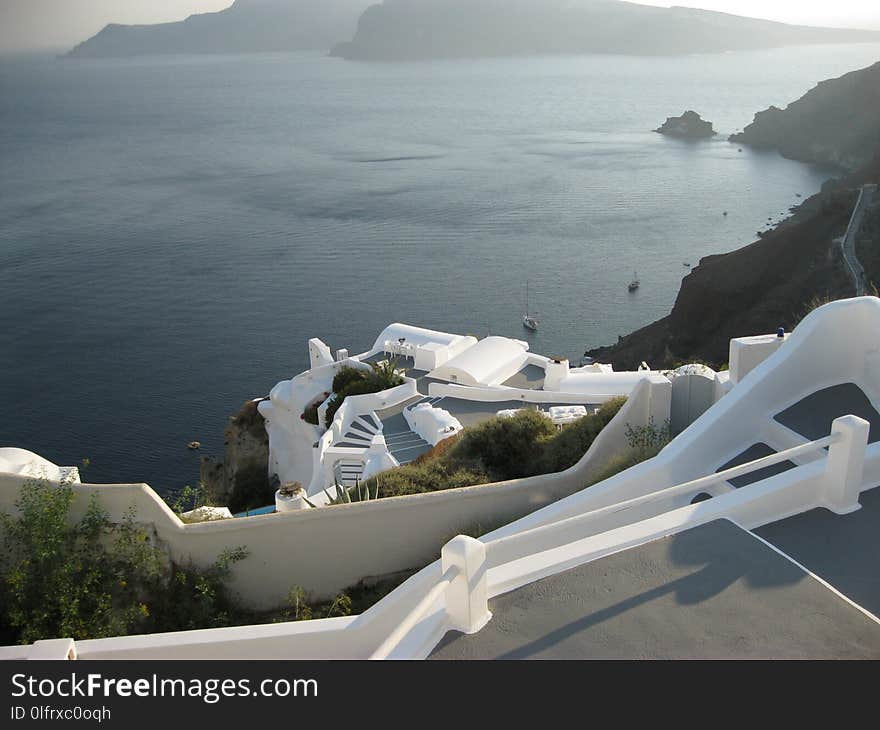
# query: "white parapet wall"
x,y
746,353
329,549
836,344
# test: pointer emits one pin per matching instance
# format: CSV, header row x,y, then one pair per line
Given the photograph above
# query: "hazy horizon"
x,y
53,25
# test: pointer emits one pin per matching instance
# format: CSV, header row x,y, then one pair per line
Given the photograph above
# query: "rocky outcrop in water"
x,y
248,26
771,282
240,480
418,29
837,123
688,126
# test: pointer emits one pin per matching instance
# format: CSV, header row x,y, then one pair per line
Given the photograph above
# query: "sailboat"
x,y
635,283
529,320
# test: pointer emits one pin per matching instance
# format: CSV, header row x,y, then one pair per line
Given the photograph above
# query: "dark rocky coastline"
x,y
240,479
836,124
775,281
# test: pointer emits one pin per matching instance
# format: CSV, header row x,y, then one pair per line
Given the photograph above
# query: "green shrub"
x,y
189,498
499,449
350,381
644,442
94,579
193,598
429,476
507,448
568,446
344,377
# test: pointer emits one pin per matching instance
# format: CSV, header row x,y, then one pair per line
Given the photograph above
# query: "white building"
x,y
753,534
449,382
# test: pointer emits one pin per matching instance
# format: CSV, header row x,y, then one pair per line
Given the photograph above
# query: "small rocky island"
x,y
688,126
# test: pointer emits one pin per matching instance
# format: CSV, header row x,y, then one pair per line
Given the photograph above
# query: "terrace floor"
x,y
753,453
715,591
841,549
812,416
531,377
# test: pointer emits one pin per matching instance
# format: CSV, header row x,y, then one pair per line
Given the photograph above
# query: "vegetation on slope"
x,y
91,578
524,445
351,381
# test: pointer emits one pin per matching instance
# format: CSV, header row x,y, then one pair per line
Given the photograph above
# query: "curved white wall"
x,y
29,464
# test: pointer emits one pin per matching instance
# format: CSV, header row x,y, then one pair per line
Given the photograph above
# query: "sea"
x,y
174,230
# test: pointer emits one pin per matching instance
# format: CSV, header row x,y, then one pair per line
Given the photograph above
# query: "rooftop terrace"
x,y
715,591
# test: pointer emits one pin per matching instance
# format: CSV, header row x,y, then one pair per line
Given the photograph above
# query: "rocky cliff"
x,y
417,29
771,283
837,123
247,26
240,480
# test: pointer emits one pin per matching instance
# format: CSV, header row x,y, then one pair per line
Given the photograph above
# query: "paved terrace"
x,y
715,591
531,377
812,416
841,549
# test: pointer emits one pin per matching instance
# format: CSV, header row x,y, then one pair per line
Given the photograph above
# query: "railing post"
x,y
467,596
846,461
53,649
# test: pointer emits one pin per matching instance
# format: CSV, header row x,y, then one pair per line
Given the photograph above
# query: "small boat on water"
x,y
635,283
529,320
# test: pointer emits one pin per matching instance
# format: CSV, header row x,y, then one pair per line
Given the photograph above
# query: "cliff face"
x,y
837,123
754,290
240,480
415,29
772,282
760,287
245,27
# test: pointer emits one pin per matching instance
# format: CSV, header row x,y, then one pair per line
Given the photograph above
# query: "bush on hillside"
x,y
499,449
93,579
351,381
508,448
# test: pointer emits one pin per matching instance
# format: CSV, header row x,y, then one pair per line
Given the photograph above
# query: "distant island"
x,y
689,125
775,281
248,26
422,29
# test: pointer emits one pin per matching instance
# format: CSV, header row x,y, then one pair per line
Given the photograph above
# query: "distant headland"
x,y
422,29
248,26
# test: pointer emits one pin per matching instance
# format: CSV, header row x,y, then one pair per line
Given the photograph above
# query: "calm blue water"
x,y
172,231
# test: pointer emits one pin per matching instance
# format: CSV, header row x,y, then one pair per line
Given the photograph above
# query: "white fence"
x,y
328,550
454,594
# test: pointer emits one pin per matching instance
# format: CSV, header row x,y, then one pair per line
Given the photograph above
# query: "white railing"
x,y
463,588
419,611
843,476
502,547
